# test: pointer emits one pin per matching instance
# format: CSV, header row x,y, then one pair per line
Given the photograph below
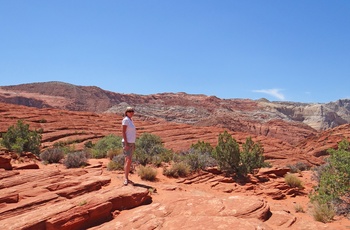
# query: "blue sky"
x,y
291,50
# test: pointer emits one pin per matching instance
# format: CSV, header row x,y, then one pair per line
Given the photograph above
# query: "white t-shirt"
x,y
130,130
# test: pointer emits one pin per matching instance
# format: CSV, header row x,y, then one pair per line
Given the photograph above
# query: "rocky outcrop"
x,y
53,197
200,211
63,199
5,161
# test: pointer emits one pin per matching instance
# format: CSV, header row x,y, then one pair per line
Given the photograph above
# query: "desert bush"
x,y
52,155
165,157
76,159
147,173
299,208
251,157
147,146
293,181
203,147
180,169
89,144
333,190
227,153
117,163
233,160
107,143
64,146
298,167
114,152
198,160
20,139
323,212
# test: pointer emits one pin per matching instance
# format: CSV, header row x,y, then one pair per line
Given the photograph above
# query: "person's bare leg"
x,y
127,166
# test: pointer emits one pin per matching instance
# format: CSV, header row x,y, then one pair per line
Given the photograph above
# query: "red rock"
x,y
275,194
280,172
196,212
5,162
9,198
26,166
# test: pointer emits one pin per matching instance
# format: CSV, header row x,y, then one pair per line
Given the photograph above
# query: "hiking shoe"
x,y
125,182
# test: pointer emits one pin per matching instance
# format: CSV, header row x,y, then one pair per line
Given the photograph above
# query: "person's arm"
x,y
126,146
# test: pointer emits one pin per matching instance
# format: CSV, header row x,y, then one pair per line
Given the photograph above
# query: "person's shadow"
x,y
149,188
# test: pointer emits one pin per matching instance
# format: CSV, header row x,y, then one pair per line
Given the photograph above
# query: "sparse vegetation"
x,y
117,163
180,169
227,153
76,159
198,160
114,152
20,139
148,147
323,212
233,160
52,155
89,144
203,147
64,146
251,157
298,167
165,157
147,173
101,148
293,181
200,156
299,208
83,202
333,190
43,120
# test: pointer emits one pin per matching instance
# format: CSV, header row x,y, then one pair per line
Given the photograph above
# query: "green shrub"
x,y
233,160
107,143
147,146
165,157
64,146
203,147
53,155
147,173
20,139
293,181
76,159
89,144
117,163
251,157
180,169
333,178
227,153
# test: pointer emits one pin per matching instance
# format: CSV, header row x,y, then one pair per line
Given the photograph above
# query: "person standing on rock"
x,y
129,138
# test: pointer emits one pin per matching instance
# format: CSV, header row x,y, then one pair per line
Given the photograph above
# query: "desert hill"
x,y
202,110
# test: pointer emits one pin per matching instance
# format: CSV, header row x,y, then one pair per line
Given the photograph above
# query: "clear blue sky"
x,y
290,50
